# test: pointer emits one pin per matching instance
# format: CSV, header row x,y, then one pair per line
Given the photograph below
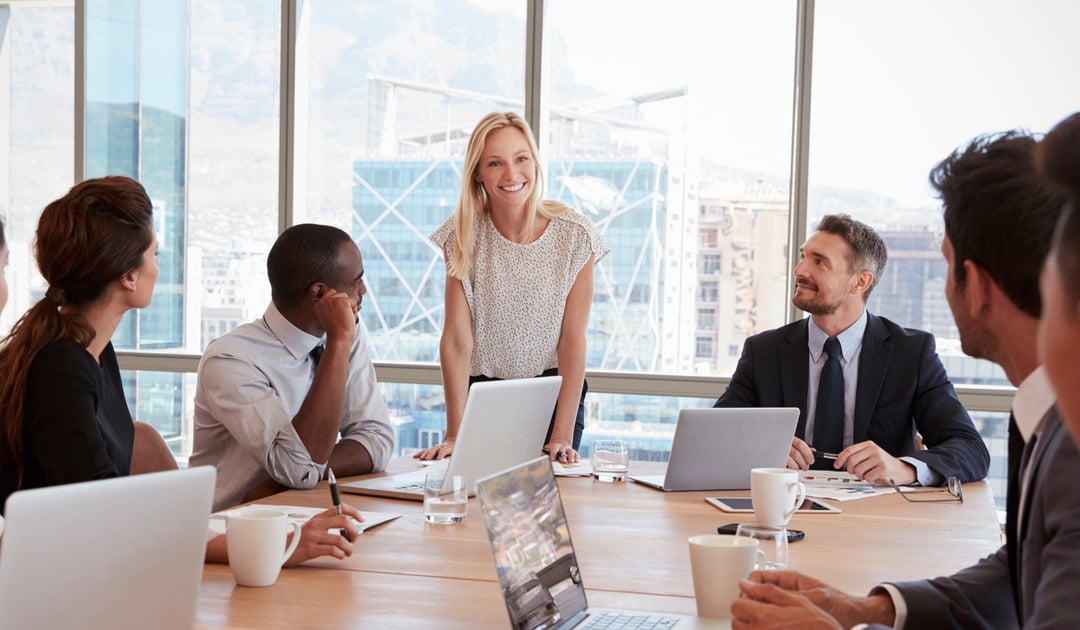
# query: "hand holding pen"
x,y
336,499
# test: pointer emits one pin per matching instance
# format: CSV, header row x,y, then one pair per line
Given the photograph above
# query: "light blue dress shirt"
x,y
851,345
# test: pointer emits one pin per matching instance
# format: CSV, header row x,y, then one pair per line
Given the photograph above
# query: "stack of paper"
x,y
838,486
583,468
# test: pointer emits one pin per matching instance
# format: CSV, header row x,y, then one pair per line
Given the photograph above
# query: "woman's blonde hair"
x,y
474,201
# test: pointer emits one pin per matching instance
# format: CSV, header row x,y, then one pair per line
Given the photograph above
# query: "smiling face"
x,y
507,169
824,280
1059,338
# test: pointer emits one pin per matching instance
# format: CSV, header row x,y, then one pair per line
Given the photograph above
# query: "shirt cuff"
x,y
923,473
898,603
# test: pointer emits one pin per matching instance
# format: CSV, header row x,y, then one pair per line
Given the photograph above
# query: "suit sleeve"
x,y
979,596
1050,564
741,391
954,447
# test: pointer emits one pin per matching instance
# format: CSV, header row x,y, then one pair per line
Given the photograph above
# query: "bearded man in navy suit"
x,y
894,385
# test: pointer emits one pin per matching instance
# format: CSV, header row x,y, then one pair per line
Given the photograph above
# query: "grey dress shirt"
x,y
252,382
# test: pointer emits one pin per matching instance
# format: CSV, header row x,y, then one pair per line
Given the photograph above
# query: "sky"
x,y
896,86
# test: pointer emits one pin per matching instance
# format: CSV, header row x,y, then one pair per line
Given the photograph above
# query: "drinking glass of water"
x,y
609,460
446,498
772,542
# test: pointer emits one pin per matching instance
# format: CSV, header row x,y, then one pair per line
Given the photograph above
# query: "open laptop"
x,y
714,449
535,560
116,553
504,424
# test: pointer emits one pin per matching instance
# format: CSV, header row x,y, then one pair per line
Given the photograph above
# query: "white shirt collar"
x,y
1033,400
296,341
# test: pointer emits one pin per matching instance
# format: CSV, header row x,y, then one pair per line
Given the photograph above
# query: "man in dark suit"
x,y
887,380
999,218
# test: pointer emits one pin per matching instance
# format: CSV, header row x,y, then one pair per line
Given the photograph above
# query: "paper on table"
x,y
583,468
838,486
303,514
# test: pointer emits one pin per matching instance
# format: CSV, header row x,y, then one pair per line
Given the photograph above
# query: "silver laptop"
x,y
116,553
714,449
535,560
504,424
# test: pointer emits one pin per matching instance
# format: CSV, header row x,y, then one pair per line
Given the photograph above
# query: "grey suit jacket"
x,y
981,596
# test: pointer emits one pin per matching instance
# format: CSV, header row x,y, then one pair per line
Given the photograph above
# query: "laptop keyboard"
x,y
627,621
410,487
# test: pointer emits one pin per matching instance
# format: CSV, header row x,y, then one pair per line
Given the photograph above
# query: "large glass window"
x,y
896,87
37,133
387,95
183,96
232,163
669,127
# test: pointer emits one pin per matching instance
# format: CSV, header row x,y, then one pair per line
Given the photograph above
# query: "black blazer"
x,y
903,389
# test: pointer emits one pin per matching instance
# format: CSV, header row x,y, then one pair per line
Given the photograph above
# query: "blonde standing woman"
x,y
519,283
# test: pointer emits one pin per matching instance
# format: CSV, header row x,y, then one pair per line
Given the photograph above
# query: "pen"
x,y
337,500
824,455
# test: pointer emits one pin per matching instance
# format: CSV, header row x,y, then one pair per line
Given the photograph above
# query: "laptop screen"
x,y
530,542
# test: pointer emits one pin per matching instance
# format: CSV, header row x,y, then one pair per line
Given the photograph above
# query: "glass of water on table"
x,y
610,459
446,498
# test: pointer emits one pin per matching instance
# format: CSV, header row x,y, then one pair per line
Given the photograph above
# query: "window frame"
x,y
974,397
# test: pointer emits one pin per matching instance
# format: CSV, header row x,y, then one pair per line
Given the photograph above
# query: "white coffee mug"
x,y
717,564
255,538
775,493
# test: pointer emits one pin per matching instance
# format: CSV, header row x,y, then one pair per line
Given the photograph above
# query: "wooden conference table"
x,y
631,543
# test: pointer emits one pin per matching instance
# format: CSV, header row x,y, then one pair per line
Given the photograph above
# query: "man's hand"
x,y
336,313
870,462
769,606
801,455
439,451
846,609
321,536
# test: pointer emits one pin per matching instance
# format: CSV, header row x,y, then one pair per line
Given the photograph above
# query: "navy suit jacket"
x,y
902,389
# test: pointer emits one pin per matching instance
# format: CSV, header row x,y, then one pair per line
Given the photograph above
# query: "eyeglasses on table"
x,y
953,489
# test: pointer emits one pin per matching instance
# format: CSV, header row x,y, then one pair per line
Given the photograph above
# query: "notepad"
x,y
583,468
302,515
